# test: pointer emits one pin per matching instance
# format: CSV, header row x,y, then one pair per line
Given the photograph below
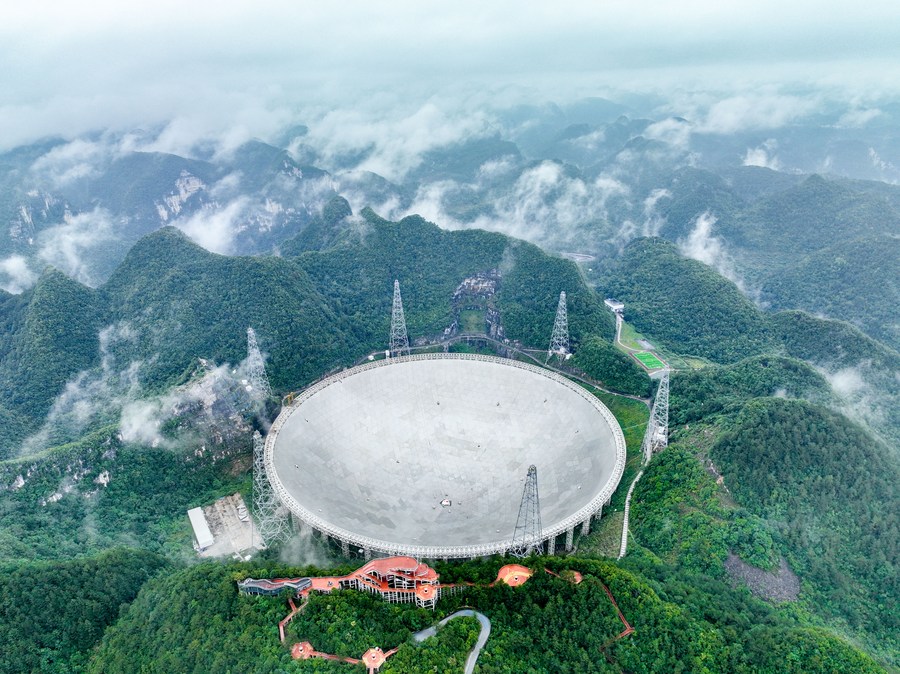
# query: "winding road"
x,y
482,635
623,548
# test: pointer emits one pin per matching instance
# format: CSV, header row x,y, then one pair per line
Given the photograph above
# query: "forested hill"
x,y
857,281
55,612
430,262
171,301
807,242
686,304
831,492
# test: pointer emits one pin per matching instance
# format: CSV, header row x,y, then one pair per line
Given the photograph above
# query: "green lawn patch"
x,y
649,360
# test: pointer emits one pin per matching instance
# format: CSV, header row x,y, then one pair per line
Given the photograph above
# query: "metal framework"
x,y
527,537
559,340
371,544
399,344
657,436
256,368
273,518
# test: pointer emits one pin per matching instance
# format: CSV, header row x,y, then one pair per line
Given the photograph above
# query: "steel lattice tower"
x,y
657,436
559,341
256,369
271,517
399,340
527,535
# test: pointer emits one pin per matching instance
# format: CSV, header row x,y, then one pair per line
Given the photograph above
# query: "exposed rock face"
x,y
780,585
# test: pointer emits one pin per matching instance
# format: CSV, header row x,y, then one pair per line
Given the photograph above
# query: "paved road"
x,y
623,548
482,635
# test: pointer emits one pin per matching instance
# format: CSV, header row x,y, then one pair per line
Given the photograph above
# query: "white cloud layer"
x,y
16,275
236,70
67,246
544,205
763,156
215,228
703,246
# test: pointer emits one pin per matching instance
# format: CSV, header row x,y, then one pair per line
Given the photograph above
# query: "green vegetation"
x,y
144,503
606,537
701,394
830,342
631,337
632,416
831,493
55,612
678,513
851,282
804,482
471,321
602,361
686,304
194,620
445,652
357,273
349,622
52,335
171,301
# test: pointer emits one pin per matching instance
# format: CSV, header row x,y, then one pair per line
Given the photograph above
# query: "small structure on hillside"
x,y
203,537
615,305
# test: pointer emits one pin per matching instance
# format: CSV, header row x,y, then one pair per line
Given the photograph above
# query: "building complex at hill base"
x,y
427,455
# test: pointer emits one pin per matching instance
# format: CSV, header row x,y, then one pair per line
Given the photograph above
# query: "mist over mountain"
x,y
172,174
584,177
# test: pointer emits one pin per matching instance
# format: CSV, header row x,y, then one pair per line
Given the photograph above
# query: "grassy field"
x,y
631,338
632,416
649,360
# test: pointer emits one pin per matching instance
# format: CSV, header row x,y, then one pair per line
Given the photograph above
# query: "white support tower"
x,y
559,341
527,534
657,436
399,340
256,369
272,517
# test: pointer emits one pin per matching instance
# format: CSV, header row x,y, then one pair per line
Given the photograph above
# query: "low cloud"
x,y
72,161
763,156
845,382
544,205
675,132
750,112
703,246
653,220
866,396
213,403
858,117
91,395
18,275
71,246
304,549
878,162
216,228
387,144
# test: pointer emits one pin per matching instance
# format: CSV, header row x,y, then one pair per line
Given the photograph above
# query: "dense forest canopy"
x,y
756,414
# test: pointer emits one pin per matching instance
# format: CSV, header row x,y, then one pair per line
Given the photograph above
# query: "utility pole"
x,y
657,436
559,341
272,516
399,344
527,534
256,369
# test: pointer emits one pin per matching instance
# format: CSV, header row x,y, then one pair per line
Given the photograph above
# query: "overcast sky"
x,y
250,68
